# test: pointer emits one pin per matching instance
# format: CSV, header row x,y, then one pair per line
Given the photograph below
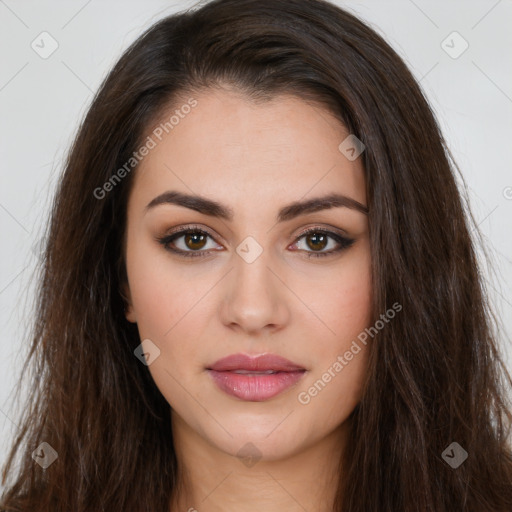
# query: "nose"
x,y
256,299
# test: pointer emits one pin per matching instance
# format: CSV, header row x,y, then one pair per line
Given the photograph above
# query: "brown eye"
x,y
317,241
191,242
195,240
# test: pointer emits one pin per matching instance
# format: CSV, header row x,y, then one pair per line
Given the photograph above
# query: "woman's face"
x,y
253,283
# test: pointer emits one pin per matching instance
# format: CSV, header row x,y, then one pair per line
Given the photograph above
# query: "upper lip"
x,y
263,362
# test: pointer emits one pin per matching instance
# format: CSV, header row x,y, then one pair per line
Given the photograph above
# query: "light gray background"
x,y
42,101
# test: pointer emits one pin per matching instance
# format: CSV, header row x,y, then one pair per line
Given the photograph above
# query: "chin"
x,y
258,442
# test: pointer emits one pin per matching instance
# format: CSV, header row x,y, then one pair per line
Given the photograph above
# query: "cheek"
x,y
161,296
348,309
341,299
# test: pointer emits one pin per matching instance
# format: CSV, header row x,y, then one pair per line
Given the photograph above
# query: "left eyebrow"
x,y
215,209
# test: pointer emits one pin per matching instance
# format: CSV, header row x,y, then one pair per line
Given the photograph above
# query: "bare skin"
x,y
253,159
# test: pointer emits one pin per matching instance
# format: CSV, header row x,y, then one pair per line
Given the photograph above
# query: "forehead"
x,y
237,151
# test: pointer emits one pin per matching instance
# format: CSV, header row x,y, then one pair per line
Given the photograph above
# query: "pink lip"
x,y
252,386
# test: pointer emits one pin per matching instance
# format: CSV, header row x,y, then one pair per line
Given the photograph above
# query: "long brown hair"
x,y
435,375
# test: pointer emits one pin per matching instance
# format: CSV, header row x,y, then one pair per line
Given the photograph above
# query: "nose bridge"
x,y
256,298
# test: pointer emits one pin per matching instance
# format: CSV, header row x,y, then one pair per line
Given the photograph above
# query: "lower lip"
x,y
255,387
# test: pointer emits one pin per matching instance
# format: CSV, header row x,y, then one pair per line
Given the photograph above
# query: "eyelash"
x,y
344,242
